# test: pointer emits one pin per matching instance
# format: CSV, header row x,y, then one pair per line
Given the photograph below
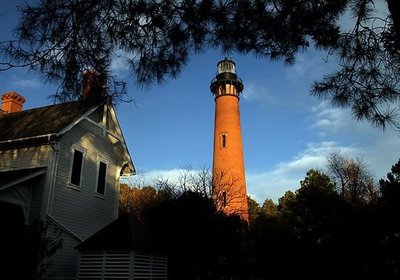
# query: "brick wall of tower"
x,y
228,161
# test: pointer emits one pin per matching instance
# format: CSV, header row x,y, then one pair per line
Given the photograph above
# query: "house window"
x,y
101,177
76,171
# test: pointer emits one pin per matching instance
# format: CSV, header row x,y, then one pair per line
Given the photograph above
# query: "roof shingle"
x,y
41,121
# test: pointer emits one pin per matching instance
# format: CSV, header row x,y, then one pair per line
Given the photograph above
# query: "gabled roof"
x,y
41,121
42,125
125,233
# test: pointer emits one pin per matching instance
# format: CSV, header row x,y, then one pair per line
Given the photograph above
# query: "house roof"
x,y
125,233
41,121
41,125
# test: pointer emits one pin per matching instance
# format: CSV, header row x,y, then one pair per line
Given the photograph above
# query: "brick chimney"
x,y
92,88
12,102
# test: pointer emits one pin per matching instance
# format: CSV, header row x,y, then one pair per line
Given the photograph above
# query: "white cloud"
x,y
270,184
30,83
120,63
255,92
328,120
301,66
149,178
379,154
378,149
287,175
310,66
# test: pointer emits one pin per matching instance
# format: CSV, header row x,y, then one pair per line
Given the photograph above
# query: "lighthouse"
x,y
229,180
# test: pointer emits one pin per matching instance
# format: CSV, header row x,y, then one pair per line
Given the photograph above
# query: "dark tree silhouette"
x,y
183,221
314,231
352,178
369,57
320,235
201,242
61,39
25,249
390,216
137,200
254,210
390,187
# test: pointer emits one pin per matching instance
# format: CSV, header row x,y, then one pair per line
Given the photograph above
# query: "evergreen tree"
x,y
63,38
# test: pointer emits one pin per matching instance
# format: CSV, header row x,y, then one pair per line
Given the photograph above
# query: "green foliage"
x,y
269,208
321,235
137,200
316,207
254,209
390,188
285,202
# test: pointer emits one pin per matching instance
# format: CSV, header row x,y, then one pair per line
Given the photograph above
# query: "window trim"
x,y
83,151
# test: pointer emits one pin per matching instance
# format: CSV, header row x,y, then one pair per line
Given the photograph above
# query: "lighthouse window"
x,y
224,199
223,140
221,90
226,66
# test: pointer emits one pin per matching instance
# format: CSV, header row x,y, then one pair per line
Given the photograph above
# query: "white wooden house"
x,y
61,164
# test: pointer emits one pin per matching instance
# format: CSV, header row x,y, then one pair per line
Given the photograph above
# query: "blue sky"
x,y
285,131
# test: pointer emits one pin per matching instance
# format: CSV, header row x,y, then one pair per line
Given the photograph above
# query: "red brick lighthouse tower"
x,y
229,181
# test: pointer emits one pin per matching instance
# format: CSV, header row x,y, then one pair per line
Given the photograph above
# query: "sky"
x,y
285,130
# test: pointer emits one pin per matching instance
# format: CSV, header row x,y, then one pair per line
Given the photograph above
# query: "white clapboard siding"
x,y
122,265
23,158
79,209
90,212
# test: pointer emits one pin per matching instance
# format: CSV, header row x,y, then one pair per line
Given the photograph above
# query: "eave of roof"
x,y
14,177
